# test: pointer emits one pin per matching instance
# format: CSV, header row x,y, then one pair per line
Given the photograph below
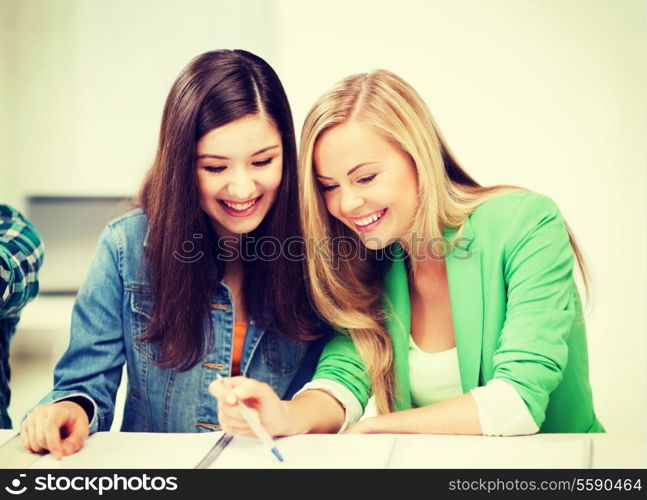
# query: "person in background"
x,y
21,255
461,315
183,289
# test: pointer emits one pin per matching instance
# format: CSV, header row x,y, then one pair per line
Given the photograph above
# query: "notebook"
x,y
136,450
309,451
214,450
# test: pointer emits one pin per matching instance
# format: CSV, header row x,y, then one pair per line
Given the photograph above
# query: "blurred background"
x,y
549,95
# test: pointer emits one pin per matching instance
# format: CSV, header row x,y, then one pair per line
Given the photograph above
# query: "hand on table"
x,y
60,428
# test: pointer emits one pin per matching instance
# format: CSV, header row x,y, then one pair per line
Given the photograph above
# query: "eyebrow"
x,y
219,157
359,165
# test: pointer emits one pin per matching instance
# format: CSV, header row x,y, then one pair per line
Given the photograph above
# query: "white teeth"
x,y
369,220
239,206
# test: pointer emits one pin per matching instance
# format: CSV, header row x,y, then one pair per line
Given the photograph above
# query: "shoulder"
x,y
129,228
126,238
20,236
132,220
518,209
11,220
505,208
505,221
8,212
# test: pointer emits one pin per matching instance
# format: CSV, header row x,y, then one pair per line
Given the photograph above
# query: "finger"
x,y
24,434
222,392
78,432
59,418
52,433
253,413
31,429
231,382
232,421
40,440
248,388
230,413
217,387
41,425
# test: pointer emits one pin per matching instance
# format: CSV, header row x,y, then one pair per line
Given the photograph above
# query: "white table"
x,y
410,451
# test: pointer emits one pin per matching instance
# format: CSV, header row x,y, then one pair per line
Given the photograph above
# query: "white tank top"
x,y
433,377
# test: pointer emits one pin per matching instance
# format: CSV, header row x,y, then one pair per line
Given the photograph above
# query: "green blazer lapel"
x,y
397,309
464,275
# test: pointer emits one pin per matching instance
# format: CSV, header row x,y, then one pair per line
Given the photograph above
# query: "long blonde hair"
x,y
347,292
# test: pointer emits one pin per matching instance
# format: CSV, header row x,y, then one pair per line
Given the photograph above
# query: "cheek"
x,y
406,196
271,178
331,203
208,188
202,188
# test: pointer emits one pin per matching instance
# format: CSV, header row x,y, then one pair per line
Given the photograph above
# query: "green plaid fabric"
x,y
21,255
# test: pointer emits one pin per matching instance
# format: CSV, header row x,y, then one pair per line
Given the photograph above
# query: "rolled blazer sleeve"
x,y
538,267
341,363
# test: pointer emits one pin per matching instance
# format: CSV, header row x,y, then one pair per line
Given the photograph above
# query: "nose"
x,y
349,201
241,185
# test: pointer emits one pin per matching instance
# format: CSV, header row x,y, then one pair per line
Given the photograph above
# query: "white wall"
x,y
91,77
548,95
6,169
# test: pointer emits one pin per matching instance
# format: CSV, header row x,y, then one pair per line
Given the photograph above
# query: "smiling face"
x,y
239,168
367,183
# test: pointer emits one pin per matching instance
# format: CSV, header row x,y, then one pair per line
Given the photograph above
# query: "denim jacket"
x,y
109,315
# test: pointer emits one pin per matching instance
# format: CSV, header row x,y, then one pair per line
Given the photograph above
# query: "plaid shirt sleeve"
x,y
21,255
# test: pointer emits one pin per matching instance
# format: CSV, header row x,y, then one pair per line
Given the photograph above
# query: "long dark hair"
x,y
214,89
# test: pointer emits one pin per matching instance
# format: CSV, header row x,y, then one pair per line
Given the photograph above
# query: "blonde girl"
x,y
460,315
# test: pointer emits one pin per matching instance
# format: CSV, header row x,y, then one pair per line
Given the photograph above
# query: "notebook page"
x,y
483,452
6,435
319,451
136,450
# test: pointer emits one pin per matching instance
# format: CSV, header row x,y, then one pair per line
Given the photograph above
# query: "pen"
x,y
256,426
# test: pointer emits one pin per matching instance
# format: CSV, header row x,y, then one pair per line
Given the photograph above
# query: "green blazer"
x,y
516,312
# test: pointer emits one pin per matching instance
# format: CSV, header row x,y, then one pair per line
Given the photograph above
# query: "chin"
x,y
374,242
234,229
244,229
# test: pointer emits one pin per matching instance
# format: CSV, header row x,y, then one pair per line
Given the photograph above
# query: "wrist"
x,y
83,403
291,425
376,424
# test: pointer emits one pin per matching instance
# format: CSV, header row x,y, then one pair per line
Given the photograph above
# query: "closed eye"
x,y
366,179
262,163
214,170
328,187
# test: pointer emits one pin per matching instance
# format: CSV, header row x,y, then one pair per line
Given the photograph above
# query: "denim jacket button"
x,y
208,425
215,366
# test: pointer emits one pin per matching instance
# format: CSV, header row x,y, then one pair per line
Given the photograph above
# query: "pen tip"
x,y
277,454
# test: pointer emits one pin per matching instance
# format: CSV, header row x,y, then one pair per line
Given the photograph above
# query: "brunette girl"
x,y
178,289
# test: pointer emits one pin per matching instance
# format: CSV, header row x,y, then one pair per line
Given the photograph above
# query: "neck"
x,y
429,273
